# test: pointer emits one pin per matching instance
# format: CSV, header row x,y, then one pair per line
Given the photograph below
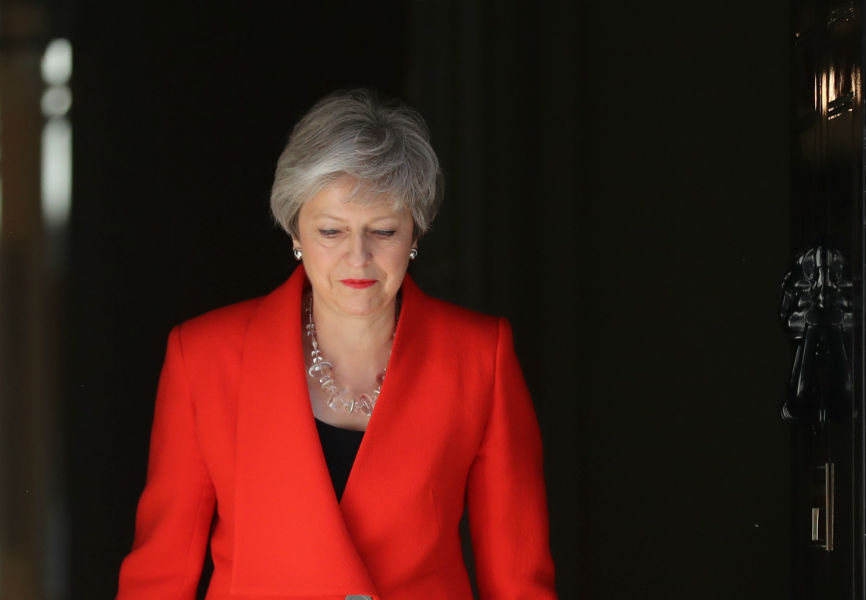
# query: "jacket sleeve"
x,y
174,514
505,491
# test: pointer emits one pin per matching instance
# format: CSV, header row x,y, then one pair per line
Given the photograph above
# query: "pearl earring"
x,y
413,253
298,254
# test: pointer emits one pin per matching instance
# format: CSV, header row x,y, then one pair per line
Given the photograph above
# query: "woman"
x,y
326,435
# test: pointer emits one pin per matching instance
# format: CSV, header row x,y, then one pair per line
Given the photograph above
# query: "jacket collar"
x,y
285,506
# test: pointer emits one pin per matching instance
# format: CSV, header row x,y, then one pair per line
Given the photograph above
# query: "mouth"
x,y
358,283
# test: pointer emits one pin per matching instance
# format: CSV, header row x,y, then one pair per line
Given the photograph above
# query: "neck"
x,y
350,339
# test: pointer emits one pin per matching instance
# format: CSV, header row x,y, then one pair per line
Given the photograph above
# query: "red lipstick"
x,y
358,283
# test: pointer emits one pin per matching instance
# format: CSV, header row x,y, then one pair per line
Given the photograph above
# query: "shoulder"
x,y
226,328
217,332
446,320
454,315
225,321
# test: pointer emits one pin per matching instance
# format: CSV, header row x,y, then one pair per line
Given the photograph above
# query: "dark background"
x,y
617,180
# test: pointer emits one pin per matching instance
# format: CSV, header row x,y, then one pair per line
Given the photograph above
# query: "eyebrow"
x,y
335,218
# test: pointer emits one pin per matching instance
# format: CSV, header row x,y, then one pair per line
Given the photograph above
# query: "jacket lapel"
x,y
290,535
392,476
381,439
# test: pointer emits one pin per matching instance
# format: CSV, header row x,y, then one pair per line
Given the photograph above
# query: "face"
x,y
355,252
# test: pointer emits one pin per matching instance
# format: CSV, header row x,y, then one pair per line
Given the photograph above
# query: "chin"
x,y
359,309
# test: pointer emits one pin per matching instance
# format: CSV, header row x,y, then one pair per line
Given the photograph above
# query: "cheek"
x,y
317,264
396,270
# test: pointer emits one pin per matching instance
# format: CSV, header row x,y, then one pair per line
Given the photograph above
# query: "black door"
x,y
822,298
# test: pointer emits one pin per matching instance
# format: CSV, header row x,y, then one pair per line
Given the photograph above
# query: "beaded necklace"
x,y
339,398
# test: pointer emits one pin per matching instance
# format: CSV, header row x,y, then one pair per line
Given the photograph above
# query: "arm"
x,y
176,507
506,498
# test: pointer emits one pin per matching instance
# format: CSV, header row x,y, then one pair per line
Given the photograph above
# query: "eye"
x,y
385,232
329,232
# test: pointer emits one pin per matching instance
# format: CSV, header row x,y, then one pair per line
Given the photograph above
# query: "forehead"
x,y
343,199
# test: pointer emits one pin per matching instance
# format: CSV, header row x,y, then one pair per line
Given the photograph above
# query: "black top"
x,y
339,447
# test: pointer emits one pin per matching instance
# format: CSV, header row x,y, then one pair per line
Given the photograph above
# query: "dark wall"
x,y
683,238
616,186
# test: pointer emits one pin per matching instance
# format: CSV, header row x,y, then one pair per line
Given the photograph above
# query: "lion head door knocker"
x,y
817,313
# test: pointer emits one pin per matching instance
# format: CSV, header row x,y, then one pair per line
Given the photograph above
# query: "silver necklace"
x,y
339,398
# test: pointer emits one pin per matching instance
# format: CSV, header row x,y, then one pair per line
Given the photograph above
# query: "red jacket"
x,y
234,449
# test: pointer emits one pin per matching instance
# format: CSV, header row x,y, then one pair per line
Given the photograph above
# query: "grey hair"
x,y
384,146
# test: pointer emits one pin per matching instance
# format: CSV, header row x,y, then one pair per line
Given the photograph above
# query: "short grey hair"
x,y
384,146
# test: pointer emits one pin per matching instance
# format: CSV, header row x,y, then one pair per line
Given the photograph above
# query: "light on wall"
x,y
837,90
56,134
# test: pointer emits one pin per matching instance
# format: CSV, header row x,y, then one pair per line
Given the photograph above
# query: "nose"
x,y
358,253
